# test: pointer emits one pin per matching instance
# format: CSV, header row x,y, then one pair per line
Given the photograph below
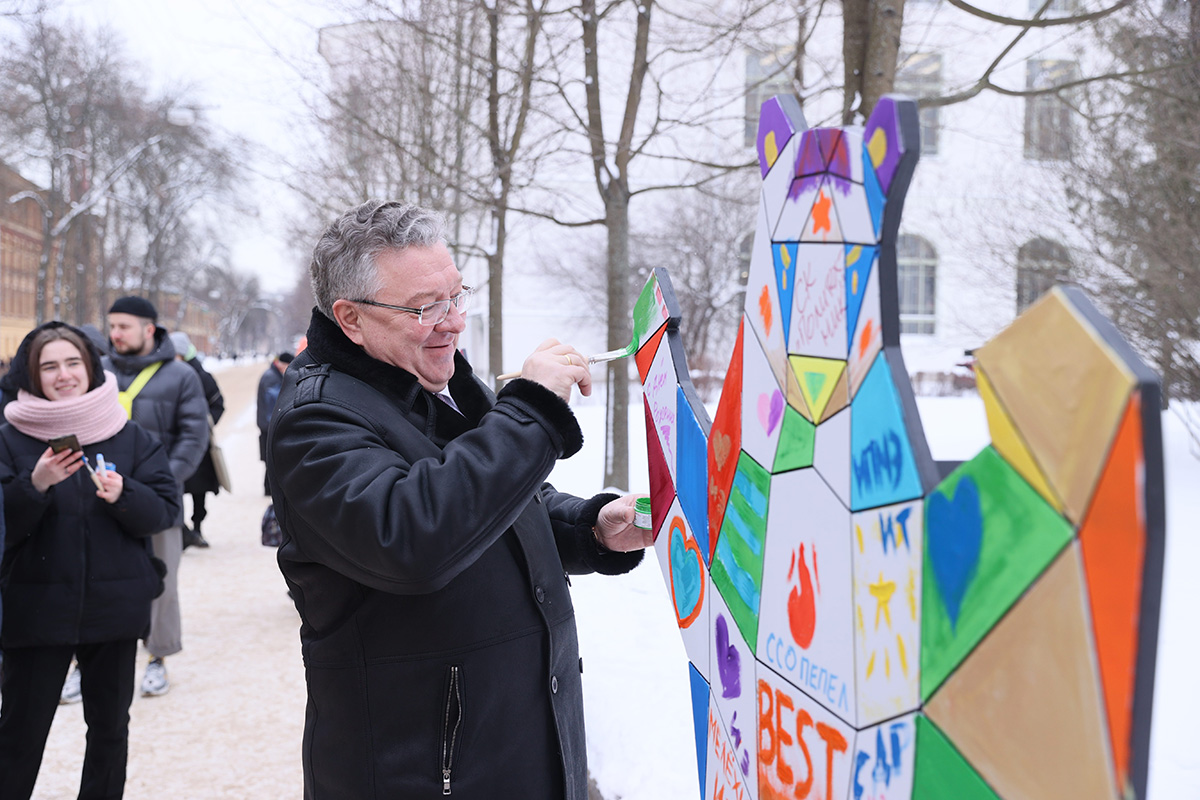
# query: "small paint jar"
x,y
641,513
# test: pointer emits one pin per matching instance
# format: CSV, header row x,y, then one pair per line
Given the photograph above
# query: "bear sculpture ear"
x,y
780,120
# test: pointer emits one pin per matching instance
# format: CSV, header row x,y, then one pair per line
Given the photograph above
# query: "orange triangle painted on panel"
x,y
645,354
1114,538
725,442
1008,442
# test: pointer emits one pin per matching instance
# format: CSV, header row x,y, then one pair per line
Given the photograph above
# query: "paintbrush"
x,y
599,358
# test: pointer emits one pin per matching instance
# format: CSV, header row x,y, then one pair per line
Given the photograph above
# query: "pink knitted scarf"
x,y
94,417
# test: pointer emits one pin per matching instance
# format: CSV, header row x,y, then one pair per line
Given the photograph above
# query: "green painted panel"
x,y
988,535
737,565
796,439
941,772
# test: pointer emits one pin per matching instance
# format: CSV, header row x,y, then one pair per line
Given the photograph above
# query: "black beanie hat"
x,y
138,306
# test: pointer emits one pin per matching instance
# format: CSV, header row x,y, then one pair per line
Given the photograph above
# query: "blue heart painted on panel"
x,y
685,574
954,535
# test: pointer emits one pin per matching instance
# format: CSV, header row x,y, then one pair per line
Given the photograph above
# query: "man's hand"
x,y
558,367
615,529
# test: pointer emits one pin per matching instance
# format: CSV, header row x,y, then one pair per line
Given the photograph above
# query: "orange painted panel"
x,y
725,442
1114,544
645,354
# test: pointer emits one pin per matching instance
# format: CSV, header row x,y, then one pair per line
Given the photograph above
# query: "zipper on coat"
x,y
451,723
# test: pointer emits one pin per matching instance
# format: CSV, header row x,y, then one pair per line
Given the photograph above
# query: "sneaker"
x,y
193,537
154,682
71,693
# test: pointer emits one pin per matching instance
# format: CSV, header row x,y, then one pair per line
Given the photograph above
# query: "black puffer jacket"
x,y
427,559
171,406
77,569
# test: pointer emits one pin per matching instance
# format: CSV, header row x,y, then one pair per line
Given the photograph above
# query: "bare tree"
x,y
1135,190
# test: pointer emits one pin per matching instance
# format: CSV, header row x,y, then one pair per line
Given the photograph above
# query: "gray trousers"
x,y
166,628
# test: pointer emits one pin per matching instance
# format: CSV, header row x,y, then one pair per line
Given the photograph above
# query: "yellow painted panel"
x,y
817,379
1008,442
1064,390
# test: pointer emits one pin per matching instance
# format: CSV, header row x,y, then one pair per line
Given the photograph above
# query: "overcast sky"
x,y
242,62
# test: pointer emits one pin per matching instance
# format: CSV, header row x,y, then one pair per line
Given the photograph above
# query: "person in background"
x,y
204,479
165,397
78,576
268,394
425,553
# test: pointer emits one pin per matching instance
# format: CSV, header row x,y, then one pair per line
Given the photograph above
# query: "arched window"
x,y
1041,263
916,265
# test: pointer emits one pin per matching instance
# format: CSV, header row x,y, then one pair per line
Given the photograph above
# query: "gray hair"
x,y
343,261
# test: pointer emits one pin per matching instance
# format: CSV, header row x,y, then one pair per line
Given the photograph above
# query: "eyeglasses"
x,y
433,313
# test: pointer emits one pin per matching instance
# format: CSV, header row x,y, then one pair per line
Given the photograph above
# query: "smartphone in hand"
x,y
68,442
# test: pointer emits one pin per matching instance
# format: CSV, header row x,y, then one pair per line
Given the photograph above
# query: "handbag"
x,y
218,459
272,534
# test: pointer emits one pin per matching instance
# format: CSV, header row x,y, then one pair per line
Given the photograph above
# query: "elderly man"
x,y
427,557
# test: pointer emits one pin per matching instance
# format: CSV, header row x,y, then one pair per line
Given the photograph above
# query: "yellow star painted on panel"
x,y
882,592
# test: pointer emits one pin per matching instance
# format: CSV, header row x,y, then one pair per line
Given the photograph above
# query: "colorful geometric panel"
x,y
1113,538
733,672
737,563
649,312
762,309
818,377
763,404
988,535
942,773
803,750
1059,422
859,260
662,485
887,604
776,128
867,340
725,441
700,706
692,483
1025,708
883,468
1008,442
807,592
796,440
885,760
818,318
687,583
901,635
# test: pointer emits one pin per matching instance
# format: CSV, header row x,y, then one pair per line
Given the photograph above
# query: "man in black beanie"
x,y
165,397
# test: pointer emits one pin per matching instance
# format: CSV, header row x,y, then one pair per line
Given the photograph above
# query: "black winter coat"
x,y
204,479
77,569
171,406
429,564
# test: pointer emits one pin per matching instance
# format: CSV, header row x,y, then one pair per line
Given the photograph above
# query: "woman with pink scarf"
x,y
77,576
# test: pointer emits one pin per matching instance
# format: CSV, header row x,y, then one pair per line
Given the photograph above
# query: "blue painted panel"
x,y
785,278
700,720
882,468
859,262
691,476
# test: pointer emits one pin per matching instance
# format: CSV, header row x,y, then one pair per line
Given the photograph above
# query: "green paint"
x,y
1022,534
737,564
941,773
815,381
796,439
646,315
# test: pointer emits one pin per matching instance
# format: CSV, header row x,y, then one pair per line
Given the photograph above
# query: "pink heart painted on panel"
x,y
770,410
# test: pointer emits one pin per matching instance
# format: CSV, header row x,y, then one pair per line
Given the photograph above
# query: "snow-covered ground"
x,y
638,706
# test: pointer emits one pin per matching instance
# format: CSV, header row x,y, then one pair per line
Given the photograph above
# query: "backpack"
x,y
272,534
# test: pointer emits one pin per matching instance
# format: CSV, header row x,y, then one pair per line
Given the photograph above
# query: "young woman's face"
x,y
62,371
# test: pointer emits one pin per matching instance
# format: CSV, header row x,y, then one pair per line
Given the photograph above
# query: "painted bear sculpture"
x,y
862,622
